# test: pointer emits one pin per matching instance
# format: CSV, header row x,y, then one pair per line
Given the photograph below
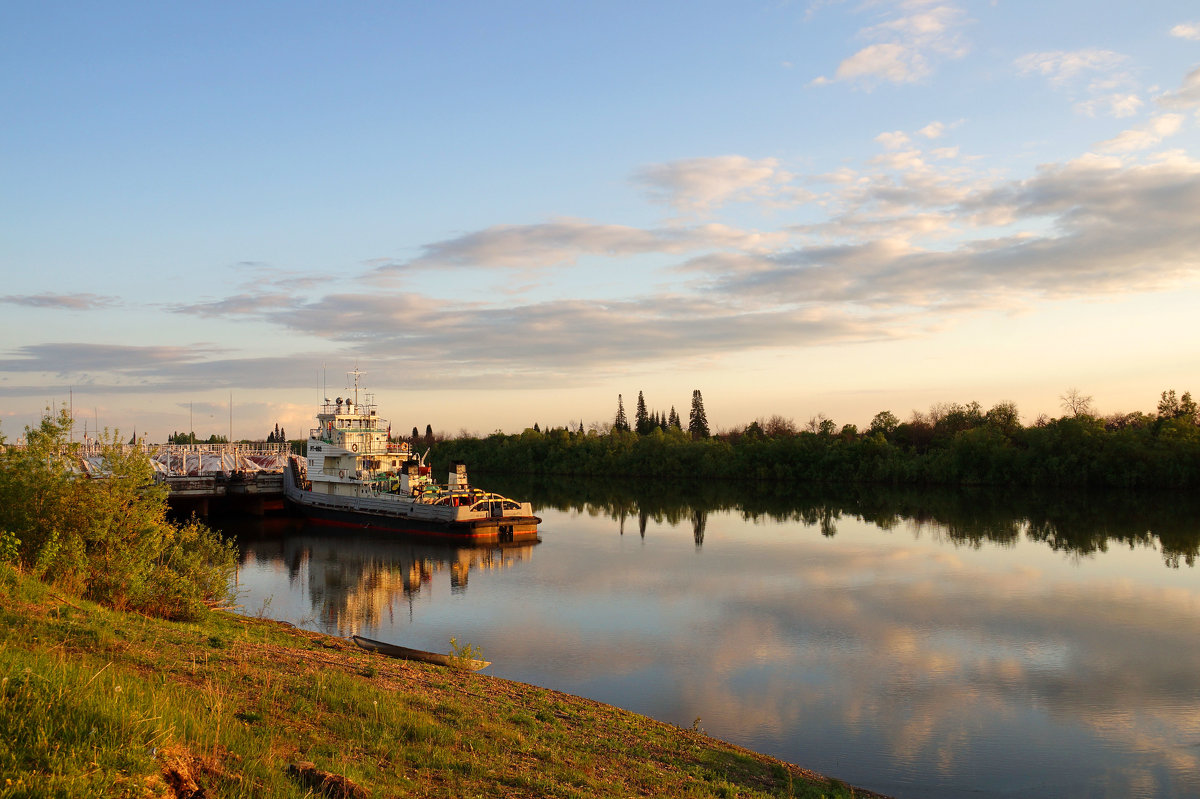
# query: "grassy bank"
x,y
99,702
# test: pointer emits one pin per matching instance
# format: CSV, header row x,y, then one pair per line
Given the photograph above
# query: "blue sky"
x,y
510,213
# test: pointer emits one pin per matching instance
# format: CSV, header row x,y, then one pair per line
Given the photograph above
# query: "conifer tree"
x,y
429,432
697,420
415,434
642,419
673,419
621,423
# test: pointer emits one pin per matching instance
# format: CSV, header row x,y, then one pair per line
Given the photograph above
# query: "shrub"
x,y
106,538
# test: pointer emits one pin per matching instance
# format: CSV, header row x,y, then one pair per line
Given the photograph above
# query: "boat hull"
x,y
368,514
404,653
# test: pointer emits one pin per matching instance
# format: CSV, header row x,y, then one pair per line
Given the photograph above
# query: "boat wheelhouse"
x,y
354,476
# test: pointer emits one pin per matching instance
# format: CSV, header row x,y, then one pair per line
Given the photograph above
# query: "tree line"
x,y
951,444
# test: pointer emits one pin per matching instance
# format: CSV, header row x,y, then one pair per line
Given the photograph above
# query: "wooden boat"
x,y
404,653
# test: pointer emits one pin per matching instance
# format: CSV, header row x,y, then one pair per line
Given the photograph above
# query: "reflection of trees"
x,y
356,581
1078,523
699,522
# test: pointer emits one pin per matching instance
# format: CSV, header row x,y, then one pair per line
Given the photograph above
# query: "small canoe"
x,y
404,653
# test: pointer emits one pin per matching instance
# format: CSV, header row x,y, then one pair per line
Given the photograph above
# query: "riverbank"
x,y
99,702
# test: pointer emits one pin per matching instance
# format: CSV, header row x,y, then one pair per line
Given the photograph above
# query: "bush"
x,y
105,538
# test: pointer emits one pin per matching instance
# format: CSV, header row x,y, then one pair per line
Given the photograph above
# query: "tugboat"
x,y
354,477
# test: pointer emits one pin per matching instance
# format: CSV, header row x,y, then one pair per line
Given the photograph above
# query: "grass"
x,y
98,702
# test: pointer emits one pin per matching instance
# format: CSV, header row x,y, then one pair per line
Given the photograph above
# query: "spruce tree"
x,y
697,420
673,419
641,418
621,423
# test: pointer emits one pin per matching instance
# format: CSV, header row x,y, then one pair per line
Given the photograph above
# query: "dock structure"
x,y
245,477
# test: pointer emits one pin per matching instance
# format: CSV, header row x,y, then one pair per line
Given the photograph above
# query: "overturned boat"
x,y
355,477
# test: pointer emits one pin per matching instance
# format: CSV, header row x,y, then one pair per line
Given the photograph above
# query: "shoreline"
x,y
242,706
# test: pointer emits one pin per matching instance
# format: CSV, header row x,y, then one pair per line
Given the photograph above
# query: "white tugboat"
x,y
353,476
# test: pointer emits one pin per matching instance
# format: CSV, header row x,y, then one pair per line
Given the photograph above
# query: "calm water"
x,y
919,645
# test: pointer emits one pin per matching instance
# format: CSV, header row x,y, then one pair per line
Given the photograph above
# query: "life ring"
x,y
342,473
354,447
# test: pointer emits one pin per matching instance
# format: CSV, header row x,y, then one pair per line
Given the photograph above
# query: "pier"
x,y
206,478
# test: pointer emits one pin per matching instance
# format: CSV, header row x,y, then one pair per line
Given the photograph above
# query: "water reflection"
x,y
929,644
1077,523
357,582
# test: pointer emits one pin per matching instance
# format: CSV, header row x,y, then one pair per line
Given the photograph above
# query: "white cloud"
x,y
1115,105
1187,30
703,184
893,140
1063,67
906,48
1144,137
934,130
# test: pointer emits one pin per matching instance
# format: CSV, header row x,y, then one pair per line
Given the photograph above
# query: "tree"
x,y
641,418
415,434
621,423
429,432
1188,408
697,420
673,419
1004,417
884,422
1076,402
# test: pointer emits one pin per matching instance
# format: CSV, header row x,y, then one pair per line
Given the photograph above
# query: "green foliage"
x,y
954,444
697,419
620,421
106,538
464,654
10,547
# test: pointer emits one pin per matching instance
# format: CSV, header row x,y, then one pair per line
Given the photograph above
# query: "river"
x,y
920,644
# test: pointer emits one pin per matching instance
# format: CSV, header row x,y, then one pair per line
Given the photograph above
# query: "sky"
x,y
509,213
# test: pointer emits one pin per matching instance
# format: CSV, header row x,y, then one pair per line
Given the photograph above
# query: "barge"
x,y
354,476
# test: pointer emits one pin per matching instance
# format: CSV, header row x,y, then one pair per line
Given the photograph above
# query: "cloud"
x,y
703,184
119,369
934,130
1105,228
1144,137
1064,67
1187,30
905,48
1096,73
562,243
1187,96
75,357
66,302
246,304
1115,105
